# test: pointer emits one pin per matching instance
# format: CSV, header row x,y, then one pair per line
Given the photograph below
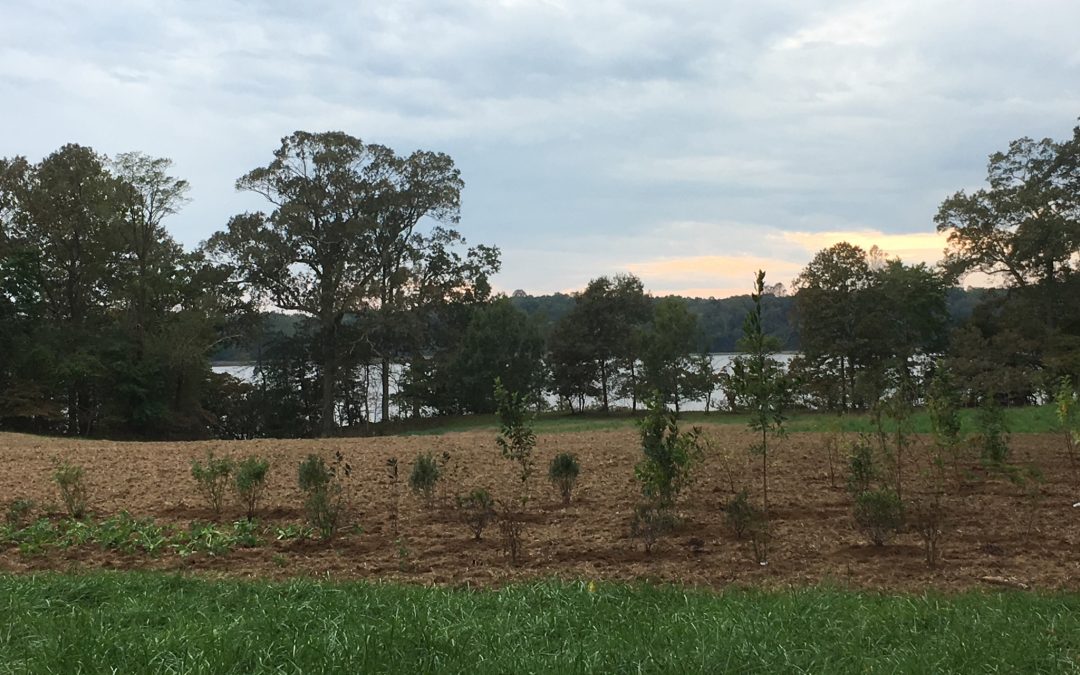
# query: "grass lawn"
x,y
1031,419
128,622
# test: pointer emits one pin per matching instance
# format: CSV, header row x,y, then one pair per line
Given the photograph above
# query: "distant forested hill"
x,y
720,320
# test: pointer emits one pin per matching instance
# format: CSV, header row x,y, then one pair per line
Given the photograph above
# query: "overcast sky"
x,y
687,142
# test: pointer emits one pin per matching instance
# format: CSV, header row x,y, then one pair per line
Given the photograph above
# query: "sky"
x,y
690,143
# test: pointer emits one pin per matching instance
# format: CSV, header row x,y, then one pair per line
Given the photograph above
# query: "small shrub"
x,y
670,454
325,501
652,520
516,438
73,492
117,533
1067,409
741,514
760,537
291,532
250,482
563,473
245,534
512,529
927,517
203,538
424,477
404,556
37,538
314,474
879,514
732,463
862,470
477,510
993,436
18,513
213,479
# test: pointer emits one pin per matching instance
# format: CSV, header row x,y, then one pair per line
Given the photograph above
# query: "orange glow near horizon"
x,y
722,276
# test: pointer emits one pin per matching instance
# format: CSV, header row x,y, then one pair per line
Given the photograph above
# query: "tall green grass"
x,y
169,624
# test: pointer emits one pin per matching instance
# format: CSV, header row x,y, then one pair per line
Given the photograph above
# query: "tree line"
x,y
380,310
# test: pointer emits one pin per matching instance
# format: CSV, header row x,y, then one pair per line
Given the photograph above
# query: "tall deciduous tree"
x,y
668,357
827,311
343,240
595,341
762,385
1026,225
65,213
1024,228
500,343
313,253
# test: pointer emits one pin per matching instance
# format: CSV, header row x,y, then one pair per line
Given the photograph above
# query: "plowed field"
x,y
995,528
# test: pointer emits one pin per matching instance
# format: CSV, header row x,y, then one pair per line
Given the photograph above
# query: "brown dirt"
x,y
995,529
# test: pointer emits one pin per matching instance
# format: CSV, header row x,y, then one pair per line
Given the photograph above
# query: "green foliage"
x,y
128,534
862,468
651,521
943,404
512,530
18,513
73,490
425,476
764,392
993,433
668,360
927,517
203,538
563,473
477,510
1067,409
249,479
110,319
36,538
742,516
343,238
294,531
314,474
213,479
879,513
859,311
499,342
516,438
596,343
324,503
670,455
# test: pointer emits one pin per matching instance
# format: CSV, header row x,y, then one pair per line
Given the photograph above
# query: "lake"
x,y
720,361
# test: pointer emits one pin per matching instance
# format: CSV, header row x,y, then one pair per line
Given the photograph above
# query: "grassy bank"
x,y
1031,419
157,623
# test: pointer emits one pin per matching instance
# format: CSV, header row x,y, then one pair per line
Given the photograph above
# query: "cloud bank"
x,y
684,141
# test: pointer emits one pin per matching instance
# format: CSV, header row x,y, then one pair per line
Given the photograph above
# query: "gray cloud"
x,y
589,134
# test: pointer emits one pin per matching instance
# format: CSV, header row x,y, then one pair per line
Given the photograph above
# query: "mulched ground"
x,y
995,529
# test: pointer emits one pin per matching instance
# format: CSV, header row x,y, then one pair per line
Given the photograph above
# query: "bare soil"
x,y
995,529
